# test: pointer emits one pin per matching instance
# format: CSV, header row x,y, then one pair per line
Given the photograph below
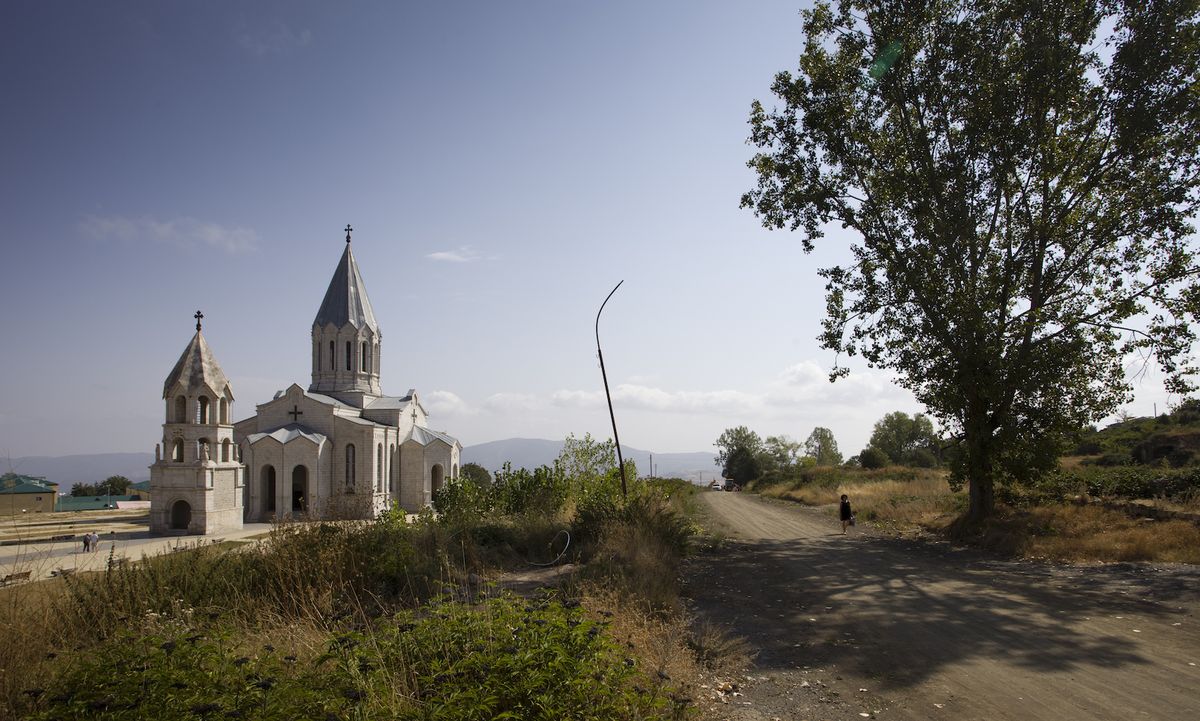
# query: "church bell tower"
x,y
197,478
346,338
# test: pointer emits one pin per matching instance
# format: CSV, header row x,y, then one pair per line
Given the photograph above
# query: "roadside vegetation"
x,y
1132,492
393,618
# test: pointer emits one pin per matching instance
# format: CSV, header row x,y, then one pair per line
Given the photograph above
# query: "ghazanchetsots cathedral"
x,y
339,450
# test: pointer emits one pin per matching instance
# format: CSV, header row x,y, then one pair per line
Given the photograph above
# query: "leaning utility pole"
x,y
604,375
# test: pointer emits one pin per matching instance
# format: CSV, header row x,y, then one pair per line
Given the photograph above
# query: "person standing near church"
x,y
846,514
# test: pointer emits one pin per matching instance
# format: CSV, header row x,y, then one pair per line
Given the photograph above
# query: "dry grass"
x,y
1054,532
1086,533
899,502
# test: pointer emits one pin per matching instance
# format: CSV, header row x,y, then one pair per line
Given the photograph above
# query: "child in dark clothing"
x,y
845,512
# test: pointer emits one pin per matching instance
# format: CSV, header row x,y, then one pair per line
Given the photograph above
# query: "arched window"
x,y
365,363
395,467
332,359
379,469
225,446
180,409
454,471
203,450
436,478
350,467
268,488
224,410
349,358
177,450
202,410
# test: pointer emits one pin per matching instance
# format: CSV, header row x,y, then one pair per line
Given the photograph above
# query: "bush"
x,y
872,457
503,659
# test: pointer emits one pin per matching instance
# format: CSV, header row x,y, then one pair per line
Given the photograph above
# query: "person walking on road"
x,y
846,514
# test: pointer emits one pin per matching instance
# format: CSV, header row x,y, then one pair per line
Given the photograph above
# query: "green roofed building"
x,y
27,494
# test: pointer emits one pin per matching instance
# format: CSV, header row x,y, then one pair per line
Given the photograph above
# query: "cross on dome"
x,y
198,317
348,229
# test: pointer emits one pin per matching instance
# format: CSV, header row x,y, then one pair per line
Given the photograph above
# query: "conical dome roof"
x,y
197,368
346,299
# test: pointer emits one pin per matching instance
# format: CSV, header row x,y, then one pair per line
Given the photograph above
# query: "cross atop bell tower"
x,y
346,338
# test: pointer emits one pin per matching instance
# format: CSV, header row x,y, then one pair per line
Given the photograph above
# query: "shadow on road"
x,y
898,611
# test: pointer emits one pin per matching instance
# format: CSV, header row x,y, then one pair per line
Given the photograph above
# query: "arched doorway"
x,y
436,478
299,489
268,489
181,515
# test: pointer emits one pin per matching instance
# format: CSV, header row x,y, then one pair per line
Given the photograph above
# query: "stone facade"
x,y
341,448
197,481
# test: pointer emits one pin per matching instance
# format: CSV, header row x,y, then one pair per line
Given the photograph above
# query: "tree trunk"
x,y
979,469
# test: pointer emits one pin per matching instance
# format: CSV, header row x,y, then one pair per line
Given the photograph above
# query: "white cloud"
x,y
275,40
656,399
463,254
447,403
187,233
577,399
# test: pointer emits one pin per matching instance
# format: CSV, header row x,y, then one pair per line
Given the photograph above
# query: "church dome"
x,y
346,301
197,368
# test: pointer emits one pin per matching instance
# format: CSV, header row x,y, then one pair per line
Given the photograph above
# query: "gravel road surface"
x,y
865,626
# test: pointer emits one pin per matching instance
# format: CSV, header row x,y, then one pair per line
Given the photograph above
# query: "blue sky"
x,y
503,164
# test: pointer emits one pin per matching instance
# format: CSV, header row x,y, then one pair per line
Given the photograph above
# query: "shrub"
x,y
506,658
872,457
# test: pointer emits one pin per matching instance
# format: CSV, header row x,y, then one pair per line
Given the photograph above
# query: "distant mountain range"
x,y
533,452
91,468
521,452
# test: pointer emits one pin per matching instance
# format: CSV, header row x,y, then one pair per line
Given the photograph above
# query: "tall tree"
x,y
822,446
1020,177
899,435
778,453
739,454
476,474
116,485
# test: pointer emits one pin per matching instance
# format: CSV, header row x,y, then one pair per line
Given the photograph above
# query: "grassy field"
x,y
909,501
385,619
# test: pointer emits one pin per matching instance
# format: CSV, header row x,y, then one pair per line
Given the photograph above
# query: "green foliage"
x,y
504,659
822,447
476,474
113,485
739,455
900,436
298,571
543,490
741,441
871,457
1171,439
1120,482
1021,198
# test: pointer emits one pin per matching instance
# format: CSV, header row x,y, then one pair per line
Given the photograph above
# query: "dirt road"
x,y
858,626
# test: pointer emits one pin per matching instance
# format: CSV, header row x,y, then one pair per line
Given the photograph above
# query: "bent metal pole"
x,y
604,375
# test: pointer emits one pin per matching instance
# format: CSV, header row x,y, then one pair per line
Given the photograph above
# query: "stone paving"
x,y
122,535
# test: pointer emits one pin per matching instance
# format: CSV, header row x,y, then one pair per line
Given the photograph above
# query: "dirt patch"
x,y
869,626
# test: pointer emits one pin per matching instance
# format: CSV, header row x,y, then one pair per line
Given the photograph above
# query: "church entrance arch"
x,y
437,476
268,489
299,489
181,515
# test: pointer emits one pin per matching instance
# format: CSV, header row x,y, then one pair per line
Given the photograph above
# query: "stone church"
x,y
338,449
